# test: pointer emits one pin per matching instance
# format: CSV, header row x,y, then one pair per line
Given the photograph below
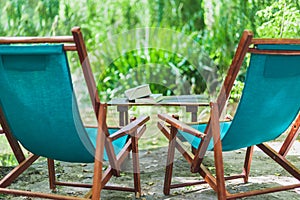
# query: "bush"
x,y
215,26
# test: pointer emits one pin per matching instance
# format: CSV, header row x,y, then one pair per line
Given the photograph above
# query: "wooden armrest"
x,y
130,128
180,125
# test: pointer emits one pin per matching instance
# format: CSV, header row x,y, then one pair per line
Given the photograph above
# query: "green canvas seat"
x,y
39,110
269,102
269,106
39,104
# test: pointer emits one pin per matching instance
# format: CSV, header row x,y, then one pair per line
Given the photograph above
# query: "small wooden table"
x,y
191,103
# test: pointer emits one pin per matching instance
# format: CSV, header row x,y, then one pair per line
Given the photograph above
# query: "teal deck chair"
x,y
39,111
269,106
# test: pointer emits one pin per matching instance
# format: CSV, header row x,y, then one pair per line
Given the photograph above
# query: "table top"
x,y
181,100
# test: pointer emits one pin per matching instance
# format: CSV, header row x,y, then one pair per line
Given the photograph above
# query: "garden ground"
x,y
264,173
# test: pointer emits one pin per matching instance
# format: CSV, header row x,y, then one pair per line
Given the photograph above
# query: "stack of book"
x,y
142,94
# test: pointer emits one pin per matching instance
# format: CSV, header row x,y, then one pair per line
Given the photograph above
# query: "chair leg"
x,y
247,163
170,160
136,167
282,161
194,150
97,182
293,134
220,174
136,163
101,137
51,173
215,128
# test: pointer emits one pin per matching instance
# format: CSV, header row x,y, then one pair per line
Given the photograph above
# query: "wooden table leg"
x,y
123,115
193,110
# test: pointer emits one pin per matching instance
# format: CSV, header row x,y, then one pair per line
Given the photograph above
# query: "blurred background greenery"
x,y
215,25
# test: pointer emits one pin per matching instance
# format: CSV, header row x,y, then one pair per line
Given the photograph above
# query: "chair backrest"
x,y
38,102
271,96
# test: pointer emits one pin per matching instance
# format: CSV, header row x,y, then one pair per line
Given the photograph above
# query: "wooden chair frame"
x,y
213,131
135,130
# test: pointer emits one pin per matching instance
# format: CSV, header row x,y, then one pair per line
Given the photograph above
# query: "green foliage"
x,y
281,19
214,25
228,20
161,69
29,18
8,160
236,91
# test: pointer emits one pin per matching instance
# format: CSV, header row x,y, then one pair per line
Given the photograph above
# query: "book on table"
x,y
138,92
152,98
142,94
